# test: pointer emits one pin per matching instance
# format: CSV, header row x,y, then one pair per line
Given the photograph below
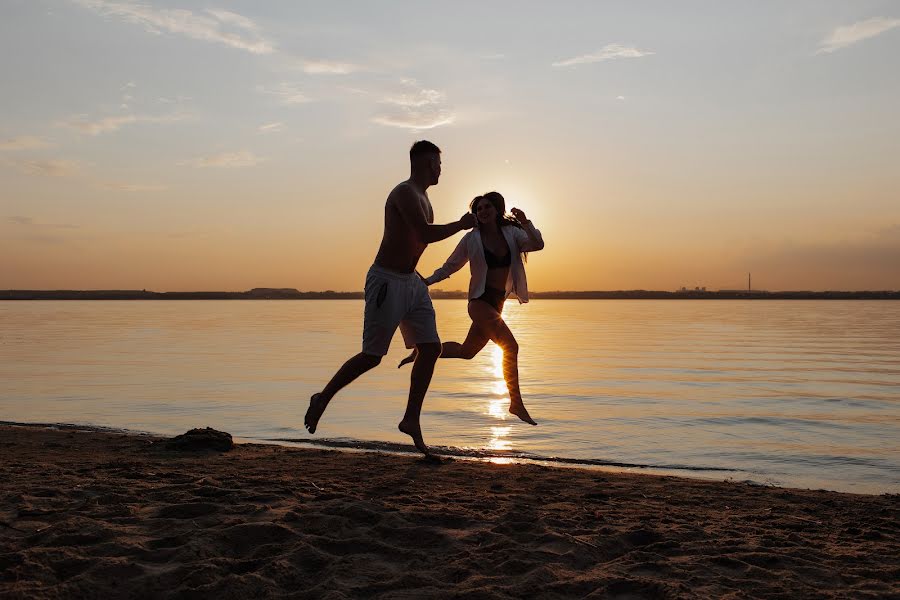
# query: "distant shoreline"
x,y
293,294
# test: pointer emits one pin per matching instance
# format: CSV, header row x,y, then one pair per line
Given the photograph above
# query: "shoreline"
x,y
103,514
474,455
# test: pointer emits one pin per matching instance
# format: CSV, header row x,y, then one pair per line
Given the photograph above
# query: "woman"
x,y
494,251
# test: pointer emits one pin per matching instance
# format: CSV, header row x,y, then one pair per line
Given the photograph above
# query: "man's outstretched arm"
x,y
411,209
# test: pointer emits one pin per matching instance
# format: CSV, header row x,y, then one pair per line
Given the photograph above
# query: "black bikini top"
x,y
497,262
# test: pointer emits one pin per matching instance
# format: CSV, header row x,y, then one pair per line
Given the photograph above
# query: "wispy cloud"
x,y
608,52
30,222
24,142
127,97
109,124
415,109
46,168
231,18
285,92
416,120
28,229
328,67
416,99
848,35
219,26
270,127
133,187
175,100
224,160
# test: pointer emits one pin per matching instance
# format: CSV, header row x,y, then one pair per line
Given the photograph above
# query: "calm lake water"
x,y
793,393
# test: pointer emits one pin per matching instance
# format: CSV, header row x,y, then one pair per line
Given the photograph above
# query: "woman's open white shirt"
x,y
470,249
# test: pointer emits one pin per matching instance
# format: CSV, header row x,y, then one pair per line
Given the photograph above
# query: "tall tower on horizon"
x,y
749,288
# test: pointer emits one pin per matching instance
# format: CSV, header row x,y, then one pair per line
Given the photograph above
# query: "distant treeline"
x,y
720,295
254,294
292,294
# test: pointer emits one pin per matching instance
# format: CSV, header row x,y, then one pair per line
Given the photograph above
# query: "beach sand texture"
x,y
105,515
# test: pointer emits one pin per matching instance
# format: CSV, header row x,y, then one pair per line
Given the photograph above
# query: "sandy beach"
x,y
107,515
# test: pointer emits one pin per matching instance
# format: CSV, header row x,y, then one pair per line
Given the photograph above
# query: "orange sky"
x,y
254,147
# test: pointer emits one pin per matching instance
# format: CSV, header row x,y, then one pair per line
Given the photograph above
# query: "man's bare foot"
x,y
316,407
520,411
409,359
414,431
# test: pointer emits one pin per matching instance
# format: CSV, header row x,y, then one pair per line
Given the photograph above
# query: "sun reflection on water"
x,y
497,407
499,439
498,385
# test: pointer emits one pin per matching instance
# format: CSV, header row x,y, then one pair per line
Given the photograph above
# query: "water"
x,y
794,393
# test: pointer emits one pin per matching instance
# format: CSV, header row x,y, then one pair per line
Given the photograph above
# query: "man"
x,y
396,295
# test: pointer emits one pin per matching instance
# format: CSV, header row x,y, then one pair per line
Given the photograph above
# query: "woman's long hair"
x,y
503,219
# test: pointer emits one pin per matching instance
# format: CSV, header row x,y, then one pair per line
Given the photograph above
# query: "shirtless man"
x,y
396,295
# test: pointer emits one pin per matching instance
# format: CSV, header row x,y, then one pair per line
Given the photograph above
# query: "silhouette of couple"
x,y
397,296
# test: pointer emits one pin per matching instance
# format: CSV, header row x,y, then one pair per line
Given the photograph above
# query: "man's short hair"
x,y
422,148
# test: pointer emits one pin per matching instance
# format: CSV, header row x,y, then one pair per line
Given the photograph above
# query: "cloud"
x,y
29,230
326,67
415,119
848,35
110,124
24,142
285,92
270,127
177,100
416,99
97,127
415,109
219,26
225,160
230,18
620,97
608,52
46,168
133,187
126,94
30,222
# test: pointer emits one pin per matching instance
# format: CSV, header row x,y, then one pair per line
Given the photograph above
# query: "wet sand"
x,y
106,515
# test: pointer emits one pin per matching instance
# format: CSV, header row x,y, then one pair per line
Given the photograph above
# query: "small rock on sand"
x,y
201,439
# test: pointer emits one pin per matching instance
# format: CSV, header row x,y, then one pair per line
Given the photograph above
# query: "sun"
x,y
518,196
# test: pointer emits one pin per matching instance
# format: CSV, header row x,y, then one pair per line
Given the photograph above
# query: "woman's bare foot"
x,y
414,431
520,411
409,359
316,407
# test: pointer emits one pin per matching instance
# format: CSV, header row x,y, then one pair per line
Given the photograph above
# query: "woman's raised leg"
x,y
489,320
475,340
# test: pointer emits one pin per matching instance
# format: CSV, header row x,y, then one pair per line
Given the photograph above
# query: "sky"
x,y
226,145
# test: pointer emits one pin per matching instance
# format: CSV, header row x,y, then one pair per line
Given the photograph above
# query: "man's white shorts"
x,y
396,300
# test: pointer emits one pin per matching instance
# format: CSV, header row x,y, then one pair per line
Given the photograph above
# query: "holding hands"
x,y
468,221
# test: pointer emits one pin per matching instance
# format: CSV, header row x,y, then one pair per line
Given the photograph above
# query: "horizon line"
x,y
456,291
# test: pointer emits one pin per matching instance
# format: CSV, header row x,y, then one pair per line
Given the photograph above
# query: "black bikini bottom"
x,y
494,297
